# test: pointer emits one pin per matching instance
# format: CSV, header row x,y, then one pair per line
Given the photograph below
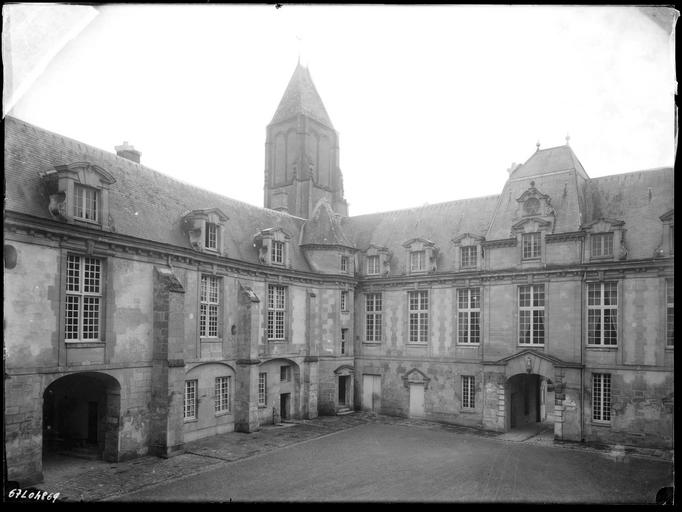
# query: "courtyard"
x,y
366,458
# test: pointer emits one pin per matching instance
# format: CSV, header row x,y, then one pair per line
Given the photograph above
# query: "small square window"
x,y
530,246
602,245
285,373
372,265
468,256
417,261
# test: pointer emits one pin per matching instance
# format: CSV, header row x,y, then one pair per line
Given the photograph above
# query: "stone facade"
x,y
142,313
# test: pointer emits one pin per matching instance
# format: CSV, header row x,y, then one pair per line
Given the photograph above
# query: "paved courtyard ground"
x,y
361,457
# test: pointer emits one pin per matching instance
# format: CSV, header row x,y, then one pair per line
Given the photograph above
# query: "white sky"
x,y
432,103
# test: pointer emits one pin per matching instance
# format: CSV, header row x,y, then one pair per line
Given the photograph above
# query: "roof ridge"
x,y
653,169
480,198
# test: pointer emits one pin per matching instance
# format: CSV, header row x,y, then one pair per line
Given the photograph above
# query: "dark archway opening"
x,y
81,417
530,402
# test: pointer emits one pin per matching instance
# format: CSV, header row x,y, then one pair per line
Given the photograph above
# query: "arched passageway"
x,y
81,416
530,400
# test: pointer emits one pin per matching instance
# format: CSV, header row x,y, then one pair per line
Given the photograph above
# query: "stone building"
x,y
142,313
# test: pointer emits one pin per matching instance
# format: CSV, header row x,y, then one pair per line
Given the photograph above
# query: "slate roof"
x,y
324,228
439,223
543,161
143,203
301,97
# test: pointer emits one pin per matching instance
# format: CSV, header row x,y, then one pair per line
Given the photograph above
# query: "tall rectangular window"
x,y
601,396
211,238
417,261
373,308
344,339
344,263
419,316
602,245
372,265
190,402
86,203
83,298
209,306
276,312
670,312
468,392
468,254
285,373
469,315
344,301
530,245
223,391
262,389
277,252
532,314
602,313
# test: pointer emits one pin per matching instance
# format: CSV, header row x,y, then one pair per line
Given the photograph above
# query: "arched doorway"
x,y
81,416
530,400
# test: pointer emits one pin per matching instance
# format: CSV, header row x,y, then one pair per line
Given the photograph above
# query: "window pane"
x,y
73,273
539,327
71,320
524,296
524,326
594,326
610,322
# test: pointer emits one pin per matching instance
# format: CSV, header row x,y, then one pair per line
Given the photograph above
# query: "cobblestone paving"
x,y
97,480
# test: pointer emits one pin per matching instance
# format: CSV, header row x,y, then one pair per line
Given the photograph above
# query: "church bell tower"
x,y
302,152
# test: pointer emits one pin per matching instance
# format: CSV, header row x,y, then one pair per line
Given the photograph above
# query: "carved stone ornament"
x,y
415,376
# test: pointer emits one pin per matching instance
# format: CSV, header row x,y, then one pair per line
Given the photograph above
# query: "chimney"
x,y
128,152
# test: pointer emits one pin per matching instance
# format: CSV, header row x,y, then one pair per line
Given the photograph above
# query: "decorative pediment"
x,y
83,172
415,376
602,225
468,239
533,203
344,369
277,234
418,244
374,250
668,216
530,359
532,225
194,224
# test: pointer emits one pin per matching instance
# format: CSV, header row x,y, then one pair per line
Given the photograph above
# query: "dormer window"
x,y
79,192
204,229
344,263
372,265
605,240
211,241
273,247
602,245
530,246
468,256
417,261
667,247
420,255
86,203
278,252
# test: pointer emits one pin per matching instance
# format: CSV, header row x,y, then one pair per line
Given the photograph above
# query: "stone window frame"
x,y
345,260
265,242
195,225
105,308
468,311
532,309
603,409
667,247
218,306
211,237
190,400
82,294
272,307
262,389
415,248
382,257
61,184
376,314
223,395
419,312
467,240
602,307
532,226
344,301
468,403
599,228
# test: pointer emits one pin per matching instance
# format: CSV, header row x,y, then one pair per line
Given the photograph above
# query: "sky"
x,y
431,103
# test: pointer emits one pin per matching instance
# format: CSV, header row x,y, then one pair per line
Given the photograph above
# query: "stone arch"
x,y
81,415
279,407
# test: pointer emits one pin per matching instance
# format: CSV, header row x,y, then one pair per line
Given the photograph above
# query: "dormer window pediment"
x,y
274,247
605,240
533,203
421,255
204,228
79,192
469,253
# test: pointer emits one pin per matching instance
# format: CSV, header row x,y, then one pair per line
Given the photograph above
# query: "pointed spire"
x,y
301,97
537,146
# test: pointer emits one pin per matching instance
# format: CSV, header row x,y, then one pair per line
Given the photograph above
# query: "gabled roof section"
x,y
324,228
301,97
550,160
143,203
